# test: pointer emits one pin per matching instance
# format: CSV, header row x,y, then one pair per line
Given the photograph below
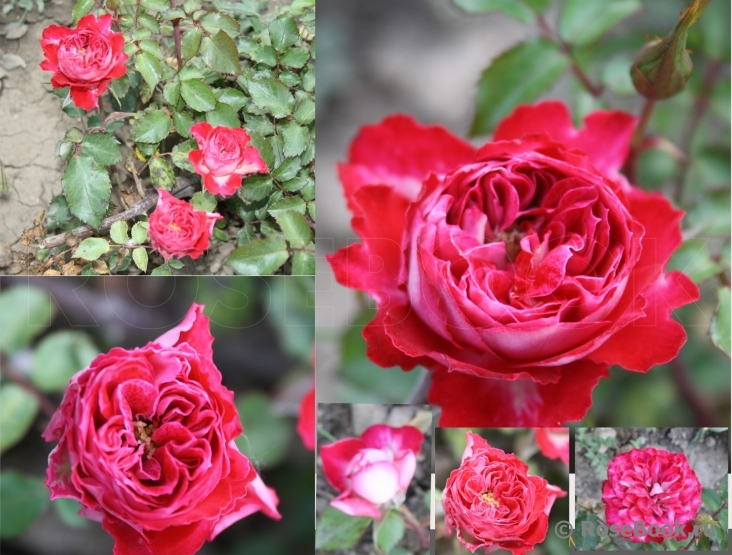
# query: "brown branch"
x,y
176,39
680,374
631,164
138,209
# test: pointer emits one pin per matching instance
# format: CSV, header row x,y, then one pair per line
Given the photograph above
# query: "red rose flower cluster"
x,y
493,502
372,470
85,59
147,446
519,271
177,229
652,486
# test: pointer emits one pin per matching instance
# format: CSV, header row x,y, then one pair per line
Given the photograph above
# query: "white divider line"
x,y
571,499
729,513
432,505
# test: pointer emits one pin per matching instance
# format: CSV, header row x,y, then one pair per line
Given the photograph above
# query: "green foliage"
x,y
337,530
24,312
266,435
58,357
87,188
720,329
583,22
513,8
92,248
22,499
18,409
584,542
259,257
388,531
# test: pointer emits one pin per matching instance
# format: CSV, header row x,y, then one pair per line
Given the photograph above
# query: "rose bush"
x,y
85,59
177,229
553,442
224,155
146,445
653,486
492,502
518,271
372,470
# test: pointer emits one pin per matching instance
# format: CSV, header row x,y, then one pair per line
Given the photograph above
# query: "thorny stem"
x,y
594,89
423,538
176,39
46,405
631,164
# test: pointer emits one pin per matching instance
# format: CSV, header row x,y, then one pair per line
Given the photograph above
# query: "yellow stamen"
x,y
488,497
143,434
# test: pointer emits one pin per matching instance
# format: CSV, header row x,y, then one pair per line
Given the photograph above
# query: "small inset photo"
x,y
656,489
501,490
374,479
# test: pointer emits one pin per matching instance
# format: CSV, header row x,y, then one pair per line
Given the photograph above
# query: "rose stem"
x,y
176,38
680,375
46,405
416,524
419,395
592,88
326,434
140,208
693,538
700,107
631,164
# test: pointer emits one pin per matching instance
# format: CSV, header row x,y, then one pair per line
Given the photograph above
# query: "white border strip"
x,y
432,504
571,499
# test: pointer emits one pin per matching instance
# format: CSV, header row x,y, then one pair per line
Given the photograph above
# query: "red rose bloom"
x,y
493,502
85,59
652,486
225,156
553,442
147,446
519,271
373,470
306,423
177,229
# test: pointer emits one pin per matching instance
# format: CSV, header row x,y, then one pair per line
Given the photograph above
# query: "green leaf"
x,y
582,22
156,5
283,32
720,328
284,204
287,170
220,54
585,542
139,256
295,57
256,187
179,155
389,531
119,232
204,201
223,115
139,232
171,92
87,189
295,139
263,146
152,128
103,147
198,95
303,264
246,234
80,9
161,173
265,55
517,76
175,263
512,8
295,227
18,408
266,435
693,258
260,257
163,270
24,312
711,500
190,42
269,94
22,500
68,512
305,111
233,97
153,47
91,248
337,530
149,67
58,357
213,22
183,123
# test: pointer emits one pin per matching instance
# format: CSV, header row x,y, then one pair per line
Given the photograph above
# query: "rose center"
x,y
174,227
143,434
512,238
488,498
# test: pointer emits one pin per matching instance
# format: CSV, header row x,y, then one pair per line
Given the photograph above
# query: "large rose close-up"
x,y
519,271
146,445
372,472
85,59
177,229
223,157
492,502
653,486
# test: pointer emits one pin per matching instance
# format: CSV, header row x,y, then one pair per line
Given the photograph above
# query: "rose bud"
x,y
306,423
492,501
177,229
85,59
662,67
372,470
653,486
553,442
224,156
146,445
520,271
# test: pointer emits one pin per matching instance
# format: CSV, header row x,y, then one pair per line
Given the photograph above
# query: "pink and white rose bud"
x,y
372,470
